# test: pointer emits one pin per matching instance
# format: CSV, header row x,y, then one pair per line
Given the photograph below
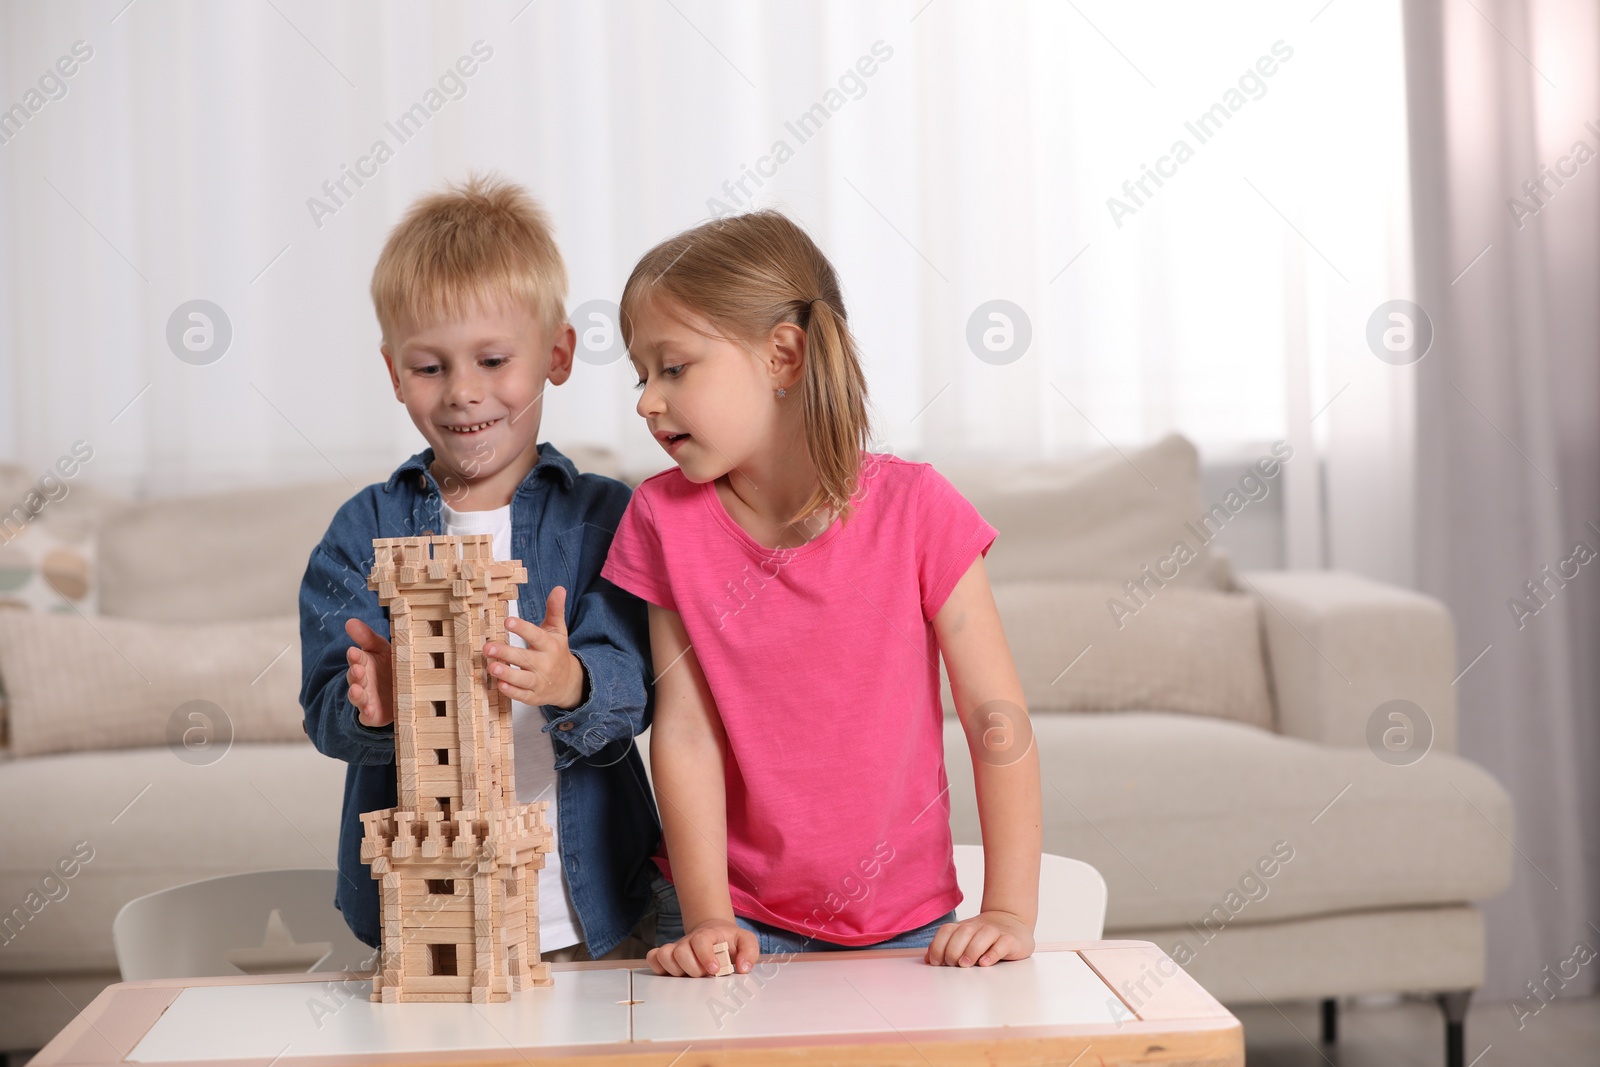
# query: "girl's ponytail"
x,y
834,395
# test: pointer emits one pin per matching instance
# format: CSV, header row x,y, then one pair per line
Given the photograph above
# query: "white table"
x,y
1121,998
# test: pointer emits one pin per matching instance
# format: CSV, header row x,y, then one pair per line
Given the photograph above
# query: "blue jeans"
x,y
668,912
775,939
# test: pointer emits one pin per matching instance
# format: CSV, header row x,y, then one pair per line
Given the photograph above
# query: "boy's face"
x,y
474,386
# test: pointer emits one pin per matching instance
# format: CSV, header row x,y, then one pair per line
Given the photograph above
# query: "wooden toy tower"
x,y
458,861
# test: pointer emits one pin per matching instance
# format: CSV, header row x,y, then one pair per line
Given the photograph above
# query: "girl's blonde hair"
x,y
745,275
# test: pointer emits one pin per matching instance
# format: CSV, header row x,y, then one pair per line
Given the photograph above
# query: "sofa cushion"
x,y
47,526
235,555
61,489
1178,813
137,820
49,566
1180,649
1396,950
75,684
1102,518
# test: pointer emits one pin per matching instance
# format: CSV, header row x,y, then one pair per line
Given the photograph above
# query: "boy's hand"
x,y
546,672
982,940
692,957
370,677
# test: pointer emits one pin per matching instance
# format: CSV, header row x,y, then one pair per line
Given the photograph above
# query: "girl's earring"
x,y
782,392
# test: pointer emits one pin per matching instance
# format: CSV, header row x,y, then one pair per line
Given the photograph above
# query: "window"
x,y
442,959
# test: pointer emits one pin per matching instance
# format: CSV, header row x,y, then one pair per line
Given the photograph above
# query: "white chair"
x,y
261,922
1072,896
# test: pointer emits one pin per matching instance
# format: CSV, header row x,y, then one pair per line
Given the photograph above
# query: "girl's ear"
x,y
786,354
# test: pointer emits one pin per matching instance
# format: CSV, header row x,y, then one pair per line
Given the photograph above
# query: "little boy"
x,y
470,292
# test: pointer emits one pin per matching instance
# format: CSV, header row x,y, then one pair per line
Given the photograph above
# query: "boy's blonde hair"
x,y
746,274
479,244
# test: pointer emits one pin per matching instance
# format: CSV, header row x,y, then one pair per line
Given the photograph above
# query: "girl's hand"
x,y
692,956
371,684
984,939
546,672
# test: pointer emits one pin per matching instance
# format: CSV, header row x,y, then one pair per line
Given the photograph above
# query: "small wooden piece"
x,y
724,963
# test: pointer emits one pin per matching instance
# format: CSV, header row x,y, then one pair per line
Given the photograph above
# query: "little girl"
x,y
800,592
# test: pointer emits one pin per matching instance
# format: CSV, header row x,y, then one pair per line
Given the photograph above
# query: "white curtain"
x,y
1509,426
955,153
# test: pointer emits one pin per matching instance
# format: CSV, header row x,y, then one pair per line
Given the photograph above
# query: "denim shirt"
x,y
561,528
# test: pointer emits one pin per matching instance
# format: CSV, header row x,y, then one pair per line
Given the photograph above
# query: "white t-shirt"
x,y
534,757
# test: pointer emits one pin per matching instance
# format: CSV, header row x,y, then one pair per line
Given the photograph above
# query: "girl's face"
x,y
710,402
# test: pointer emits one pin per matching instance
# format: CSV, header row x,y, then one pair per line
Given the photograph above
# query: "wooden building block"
x,y
457,824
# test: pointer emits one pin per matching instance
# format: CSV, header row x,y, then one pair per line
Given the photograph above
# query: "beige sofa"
x,y
1241,816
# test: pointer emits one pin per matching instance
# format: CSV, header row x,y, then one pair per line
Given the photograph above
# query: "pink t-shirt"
x,y
824,666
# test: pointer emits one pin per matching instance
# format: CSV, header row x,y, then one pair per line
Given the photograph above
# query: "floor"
x,y
1410,1033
